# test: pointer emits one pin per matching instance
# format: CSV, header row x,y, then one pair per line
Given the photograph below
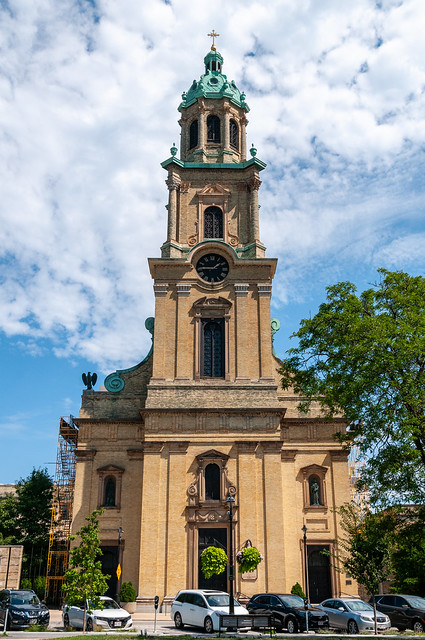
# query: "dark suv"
x,y
288,611
405,612
23,608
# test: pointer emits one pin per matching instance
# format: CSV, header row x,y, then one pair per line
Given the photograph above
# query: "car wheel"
x,y
66,621
292,626
352,627
208,625
178,622
418,626
89,624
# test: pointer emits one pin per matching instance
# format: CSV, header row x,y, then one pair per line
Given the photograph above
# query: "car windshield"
x,y
24,598
292,601
220,600
358,605
107,604
416,602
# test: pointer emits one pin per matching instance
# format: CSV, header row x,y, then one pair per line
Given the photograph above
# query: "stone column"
x,y
253,185
226,137
183,138
160,339
153,524
172,183
264,330
176,517
243,344
273,516
243,123
292,557
184,356
250,502
201,127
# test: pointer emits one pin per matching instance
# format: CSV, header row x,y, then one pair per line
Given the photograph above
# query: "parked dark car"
x,y
404,611
24,609
288,611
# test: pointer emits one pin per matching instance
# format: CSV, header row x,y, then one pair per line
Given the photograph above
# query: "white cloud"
x,y
89,94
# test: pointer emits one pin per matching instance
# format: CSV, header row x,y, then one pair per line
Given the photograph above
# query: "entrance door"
x,y
109,562
319,573
211,537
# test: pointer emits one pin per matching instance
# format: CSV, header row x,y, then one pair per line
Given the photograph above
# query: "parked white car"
x,y
201,608
112,616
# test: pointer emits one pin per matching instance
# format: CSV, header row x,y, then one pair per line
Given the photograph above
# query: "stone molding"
x,y
264,289
183,289
85,455
241,289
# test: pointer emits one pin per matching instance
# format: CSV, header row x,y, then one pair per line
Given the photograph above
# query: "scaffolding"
x,y
61,519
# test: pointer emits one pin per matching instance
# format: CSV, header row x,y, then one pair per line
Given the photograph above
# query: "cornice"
x,y
232,166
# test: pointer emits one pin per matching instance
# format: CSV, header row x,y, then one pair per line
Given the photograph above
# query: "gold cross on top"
x,y
213,35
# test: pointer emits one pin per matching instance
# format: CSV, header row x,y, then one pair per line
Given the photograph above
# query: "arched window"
x,y
213,223
314,491
212,482
234,134
213,348
193,134
109,494
213,129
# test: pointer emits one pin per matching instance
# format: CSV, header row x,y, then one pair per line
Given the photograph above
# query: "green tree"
x,y
364,551
25,519
408,556
84,579
363,357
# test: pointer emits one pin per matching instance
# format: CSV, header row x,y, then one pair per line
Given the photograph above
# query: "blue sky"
x,y
89,93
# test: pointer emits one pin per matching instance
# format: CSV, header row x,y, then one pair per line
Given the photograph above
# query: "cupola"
x,y
213,117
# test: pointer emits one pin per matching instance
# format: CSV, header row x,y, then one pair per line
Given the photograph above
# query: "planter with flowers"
x,y
213,561
248,559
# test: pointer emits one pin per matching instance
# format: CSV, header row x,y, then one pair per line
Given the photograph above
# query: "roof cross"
x,y
213,35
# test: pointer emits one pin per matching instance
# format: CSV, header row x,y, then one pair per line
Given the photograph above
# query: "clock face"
x,y
212,267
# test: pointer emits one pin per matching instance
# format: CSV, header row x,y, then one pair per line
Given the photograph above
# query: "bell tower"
x,y
213,282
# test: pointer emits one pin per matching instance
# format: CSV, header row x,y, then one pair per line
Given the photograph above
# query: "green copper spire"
x,y
213,84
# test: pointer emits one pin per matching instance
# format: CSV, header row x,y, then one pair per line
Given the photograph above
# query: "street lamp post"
x,y
119,570
304,530
231,501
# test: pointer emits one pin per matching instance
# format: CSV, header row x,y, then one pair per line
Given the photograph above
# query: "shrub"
x,y
39,586
127,592
26,583
297,590
213,561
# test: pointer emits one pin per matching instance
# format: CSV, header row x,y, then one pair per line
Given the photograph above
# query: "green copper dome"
x,y
213,84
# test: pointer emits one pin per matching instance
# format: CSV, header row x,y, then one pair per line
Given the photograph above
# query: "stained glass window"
x,y
212,482
213,129
109,492
193,134
213,223
213,348
234,137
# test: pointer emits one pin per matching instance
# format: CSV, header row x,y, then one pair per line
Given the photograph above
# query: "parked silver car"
x,y
201,608
112,616
353,615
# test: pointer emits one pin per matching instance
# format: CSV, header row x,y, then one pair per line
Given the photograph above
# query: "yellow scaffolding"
x,y
61,519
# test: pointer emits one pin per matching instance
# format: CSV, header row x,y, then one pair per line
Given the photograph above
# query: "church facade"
x,y
165,443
